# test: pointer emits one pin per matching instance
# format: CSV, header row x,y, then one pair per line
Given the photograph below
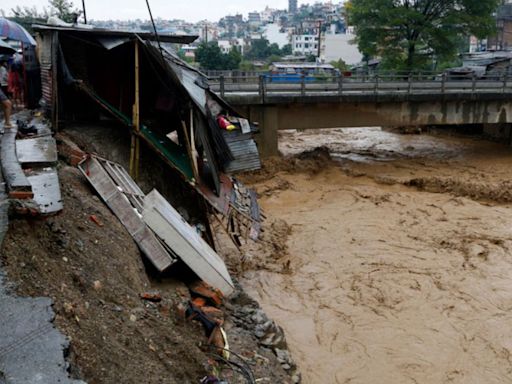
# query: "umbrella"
x,y
6,49
13,31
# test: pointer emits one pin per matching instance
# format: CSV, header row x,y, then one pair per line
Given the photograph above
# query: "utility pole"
x,y
206,33
319,38
85,15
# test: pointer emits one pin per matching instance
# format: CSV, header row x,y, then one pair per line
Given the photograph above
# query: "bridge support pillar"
x,y
268,118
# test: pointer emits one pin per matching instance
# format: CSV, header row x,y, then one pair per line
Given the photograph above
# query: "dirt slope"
x,y
94,276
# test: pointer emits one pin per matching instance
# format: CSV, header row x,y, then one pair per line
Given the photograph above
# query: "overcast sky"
x,y
190,10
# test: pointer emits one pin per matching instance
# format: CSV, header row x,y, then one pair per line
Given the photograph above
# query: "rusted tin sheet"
x,y
113,194
185,242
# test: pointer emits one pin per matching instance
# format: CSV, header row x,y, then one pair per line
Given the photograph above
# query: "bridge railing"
x,y
380,83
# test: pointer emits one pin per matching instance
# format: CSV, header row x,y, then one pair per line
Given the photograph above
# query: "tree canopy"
x,y
409,34
262,49
64,9
209,56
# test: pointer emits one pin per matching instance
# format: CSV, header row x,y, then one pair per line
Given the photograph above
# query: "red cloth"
x,y
13,82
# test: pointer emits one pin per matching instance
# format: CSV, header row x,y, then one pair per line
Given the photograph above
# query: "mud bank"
x,y
397,267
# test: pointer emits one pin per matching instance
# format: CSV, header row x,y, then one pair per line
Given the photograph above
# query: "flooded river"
x,y
400,268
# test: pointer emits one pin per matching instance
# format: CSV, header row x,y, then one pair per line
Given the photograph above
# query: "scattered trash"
x,y
95,220
212,380
200,288
151,296
225,123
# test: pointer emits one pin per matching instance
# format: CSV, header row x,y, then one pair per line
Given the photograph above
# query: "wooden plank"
x,y
185,242
125,212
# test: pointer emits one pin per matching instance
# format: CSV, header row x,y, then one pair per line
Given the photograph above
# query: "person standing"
x,y
3,77
14,84
7,107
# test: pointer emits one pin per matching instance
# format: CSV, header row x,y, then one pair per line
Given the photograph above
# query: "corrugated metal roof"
x,y
244,150
179,39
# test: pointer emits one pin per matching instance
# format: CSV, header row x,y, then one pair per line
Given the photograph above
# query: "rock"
x,y
283,356
68,308
296,379
273,337
259,317
97,285
80,245
133,317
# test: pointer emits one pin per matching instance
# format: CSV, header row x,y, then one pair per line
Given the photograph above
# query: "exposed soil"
x,y
94,274
398,259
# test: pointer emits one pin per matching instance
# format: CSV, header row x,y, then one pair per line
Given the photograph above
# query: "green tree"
x,y
409,34
232,59
340,65
26,16
273,58
259,50
64,10
286,50
209,56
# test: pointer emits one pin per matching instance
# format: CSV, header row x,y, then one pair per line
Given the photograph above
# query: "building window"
x,y
306,45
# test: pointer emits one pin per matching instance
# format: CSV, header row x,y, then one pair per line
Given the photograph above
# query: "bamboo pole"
x,y
193,143
135,144
193,162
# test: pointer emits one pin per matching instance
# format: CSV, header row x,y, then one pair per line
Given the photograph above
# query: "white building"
x,y
267,15
304,45
339,46
227,45
272,32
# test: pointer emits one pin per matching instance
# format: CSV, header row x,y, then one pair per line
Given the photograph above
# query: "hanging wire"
x,y
154,29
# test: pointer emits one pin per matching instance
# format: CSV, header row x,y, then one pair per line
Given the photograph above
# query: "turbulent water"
x,y
400,263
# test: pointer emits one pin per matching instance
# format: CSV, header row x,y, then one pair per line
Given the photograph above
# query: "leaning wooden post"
x,y
340,84
135,145
222,90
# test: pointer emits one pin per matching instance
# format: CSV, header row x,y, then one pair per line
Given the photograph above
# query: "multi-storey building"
x,y
292,6
305,45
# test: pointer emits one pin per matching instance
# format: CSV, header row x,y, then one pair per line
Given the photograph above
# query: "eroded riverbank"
x,y
399,259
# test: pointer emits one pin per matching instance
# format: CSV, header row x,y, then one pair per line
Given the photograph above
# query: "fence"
x,y
257,83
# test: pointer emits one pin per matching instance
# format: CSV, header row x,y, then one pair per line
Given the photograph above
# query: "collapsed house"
x,y
139,81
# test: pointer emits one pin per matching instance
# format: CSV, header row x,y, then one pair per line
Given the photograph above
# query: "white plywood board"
x,y
185,242
46,189
37,150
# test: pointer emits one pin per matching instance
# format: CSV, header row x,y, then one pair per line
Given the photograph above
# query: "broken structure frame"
x,y
131,79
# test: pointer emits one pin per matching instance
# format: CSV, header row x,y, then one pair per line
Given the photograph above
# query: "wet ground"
x,y
400,268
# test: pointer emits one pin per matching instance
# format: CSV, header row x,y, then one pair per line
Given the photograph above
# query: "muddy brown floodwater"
x,y
400,262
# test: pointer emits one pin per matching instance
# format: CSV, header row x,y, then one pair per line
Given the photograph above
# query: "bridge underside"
x,y
280,116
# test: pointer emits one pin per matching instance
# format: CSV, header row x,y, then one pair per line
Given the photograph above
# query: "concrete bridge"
x,y
333,102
